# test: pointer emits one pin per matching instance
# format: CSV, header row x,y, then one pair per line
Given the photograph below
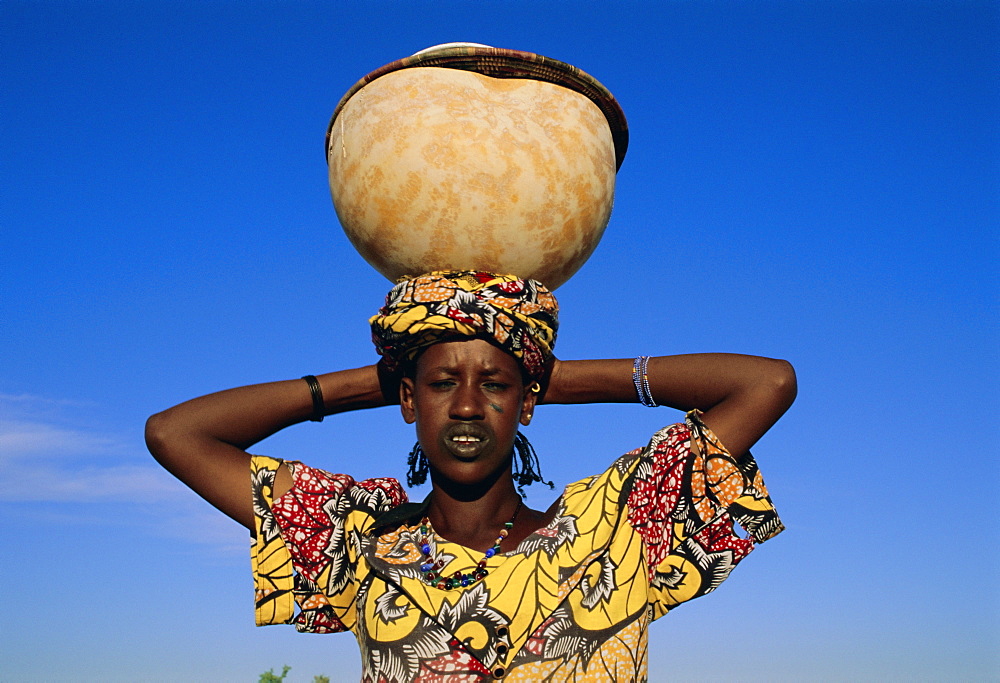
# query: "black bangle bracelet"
x,y
319,408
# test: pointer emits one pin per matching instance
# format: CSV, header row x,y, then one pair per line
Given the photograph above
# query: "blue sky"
x,y
815,181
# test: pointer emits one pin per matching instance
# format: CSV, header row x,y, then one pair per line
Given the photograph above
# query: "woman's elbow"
x,y
157,434
782,383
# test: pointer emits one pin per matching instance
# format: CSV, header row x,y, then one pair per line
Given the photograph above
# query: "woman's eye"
x,y
442,384
495,386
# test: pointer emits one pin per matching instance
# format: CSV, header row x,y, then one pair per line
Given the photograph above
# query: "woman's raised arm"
x,y
741,397
203,441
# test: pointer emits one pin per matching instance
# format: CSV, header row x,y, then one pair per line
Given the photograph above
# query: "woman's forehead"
x,y
467,354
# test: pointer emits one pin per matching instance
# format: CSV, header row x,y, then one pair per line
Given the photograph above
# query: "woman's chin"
x,y
473,473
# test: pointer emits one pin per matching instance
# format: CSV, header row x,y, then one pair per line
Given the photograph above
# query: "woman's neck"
x,y
475,522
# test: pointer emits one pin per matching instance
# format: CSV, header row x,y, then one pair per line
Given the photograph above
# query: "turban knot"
x,y
519,316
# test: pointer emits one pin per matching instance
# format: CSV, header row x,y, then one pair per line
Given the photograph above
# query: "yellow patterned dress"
x,y
572,602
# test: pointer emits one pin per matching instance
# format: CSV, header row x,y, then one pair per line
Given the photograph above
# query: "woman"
x,y
471,584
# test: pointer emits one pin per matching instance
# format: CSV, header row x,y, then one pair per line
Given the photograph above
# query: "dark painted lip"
x,y
466,451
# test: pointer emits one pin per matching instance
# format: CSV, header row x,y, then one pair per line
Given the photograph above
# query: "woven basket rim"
x,y
505,63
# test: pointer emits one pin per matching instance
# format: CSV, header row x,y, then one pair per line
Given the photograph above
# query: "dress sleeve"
x,y
687,494
304,552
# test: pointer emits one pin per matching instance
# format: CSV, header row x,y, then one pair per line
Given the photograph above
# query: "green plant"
x,y
269,676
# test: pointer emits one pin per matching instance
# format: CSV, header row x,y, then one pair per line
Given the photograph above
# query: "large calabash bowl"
x,y
476,158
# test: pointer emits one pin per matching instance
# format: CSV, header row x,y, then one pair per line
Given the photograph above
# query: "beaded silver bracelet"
x,y
641,380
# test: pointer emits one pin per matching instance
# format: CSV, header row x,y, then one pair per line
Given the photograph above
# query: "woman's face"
x,y
467,398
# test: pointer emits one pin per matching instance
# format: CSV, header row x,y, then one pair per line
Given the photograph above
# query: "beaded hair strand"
x,y
530,469
417,466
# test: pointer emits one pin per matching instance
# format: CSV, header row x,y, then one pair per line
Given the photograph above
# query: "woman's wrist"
x,y
591,381
355,389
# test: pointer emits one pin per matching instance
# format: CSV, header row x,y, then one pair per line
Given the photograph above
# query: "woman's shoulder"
x,y
617,477
314,487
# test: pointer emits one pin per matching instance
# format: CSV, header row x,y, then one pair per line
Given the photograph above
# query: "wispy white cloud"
x,y
36,480
35,400
45,457
22,438
50,453
193,521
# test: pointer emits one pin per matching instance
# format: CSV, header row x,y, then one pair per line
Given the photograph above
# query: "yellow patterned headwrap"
x,y
519,316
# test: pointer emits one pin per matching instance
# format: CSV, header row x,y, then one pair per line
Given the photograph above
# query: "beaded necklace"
x,y
430,569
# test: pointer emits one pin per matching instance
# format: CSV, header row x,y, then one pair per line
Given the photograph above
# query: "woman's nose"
x,y
467,404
